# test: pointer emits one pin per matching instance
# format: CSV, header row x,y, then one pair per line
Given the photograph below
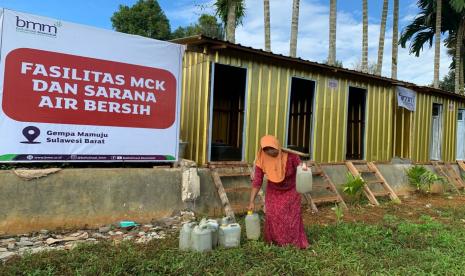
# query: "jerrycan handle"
x,y
304,166
234,225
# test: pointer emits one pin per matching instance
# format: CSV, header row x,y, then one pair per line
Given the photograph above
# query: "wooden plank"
x,y
383,193
385,184
441,171
310,201
296,152
221,192
455,176
330,185
378,181
328,199
461,164
353,170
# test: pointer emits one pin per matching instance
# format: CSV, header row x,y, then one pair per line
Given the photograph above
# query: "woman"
x,y
283,219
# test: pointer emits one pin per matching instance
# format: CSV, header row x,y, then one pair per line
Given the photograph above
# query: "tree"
x,y
437,46
294,28
231,12
447,83
206,25
332,32
422,29
382,32
395,38
145,18
364,65
266,8
459,7
371,67
337,63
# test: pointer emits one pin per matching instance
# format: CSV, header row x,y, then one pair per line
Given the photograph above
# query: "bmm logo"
x,y
36,27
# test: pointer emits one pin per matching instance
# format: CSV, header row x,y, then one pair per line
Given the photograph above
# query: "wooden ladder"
x,y
317,170
388,191
450,174
461,164
229,169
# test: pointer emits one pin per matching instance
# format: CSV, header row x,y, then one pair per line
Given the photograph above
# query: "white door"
x,y
436,139
461,135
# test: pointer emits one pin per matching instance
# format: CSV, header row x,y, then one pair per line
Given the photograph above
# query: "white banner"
x,y
406,98
77,93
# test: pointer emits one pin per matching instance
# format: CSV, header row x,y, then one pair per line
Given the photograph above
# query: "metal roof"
x,y
220,44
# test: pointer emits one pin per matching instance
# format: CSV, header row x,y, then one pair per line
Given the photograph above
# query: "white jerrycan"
x,y
304,179
214,228
202,238
185,236
252,226
230,235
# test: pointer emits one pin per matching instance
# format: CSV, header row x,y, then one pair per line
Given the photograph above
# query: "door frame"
x,y
286,137
459,110
211,102
441,109
364,119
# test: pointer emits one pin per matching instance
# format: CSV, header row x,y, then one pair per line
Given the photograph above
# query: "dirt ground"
x,y
412,207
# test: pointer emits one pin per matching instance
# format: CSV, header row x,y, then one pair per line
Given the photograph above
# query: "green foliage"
x,y
448,82
145,18
339,212
458,5
353,186
421,30
394,247
337,63
422,179
222,7
206,25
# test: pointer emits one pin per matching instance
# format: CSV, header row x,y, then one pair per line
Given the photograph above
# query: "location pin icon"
x,y
31,133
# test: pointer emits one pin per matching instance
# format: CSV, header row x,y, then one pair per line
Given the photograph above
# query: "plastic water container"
x,y
230,235
201,238
214,228
252,225
304,179
226,221
185,236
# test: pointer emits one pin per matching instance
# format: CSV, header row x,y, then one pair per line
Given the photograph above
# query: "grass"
x,y
392,246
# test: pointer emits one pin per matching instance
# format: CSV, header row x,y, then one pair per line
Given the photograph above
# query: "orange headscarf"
x,y
273,167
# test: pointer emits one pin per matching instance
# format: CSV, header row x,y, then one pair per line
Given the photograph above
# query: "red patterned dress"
x,y
283,218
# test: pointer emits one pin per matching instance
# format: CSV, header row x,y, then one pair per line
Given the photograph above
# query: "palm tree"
x,y
266,6
395,38
422,30
294,28
332,32
231,13
231,22
437,46
459,7
365,37
382,32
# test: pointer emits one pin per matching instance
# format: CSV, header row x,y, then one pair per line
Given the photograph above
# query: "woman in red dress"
x,y
283,219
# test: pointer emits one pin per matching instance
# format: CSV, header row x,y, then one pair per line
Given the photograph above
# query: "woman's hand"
x,y
251,206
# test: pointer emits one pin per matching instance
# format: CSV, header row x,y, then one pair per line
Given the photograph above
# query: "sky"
x,y
313,27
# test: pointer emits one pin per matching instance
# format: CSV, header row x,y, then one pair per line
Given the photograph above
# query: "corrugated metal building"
x,y
232,95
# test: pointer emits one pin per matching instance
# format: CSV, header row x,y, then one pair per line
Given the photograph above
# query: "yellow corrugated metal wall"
x,y
195,105
422,124
267,97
